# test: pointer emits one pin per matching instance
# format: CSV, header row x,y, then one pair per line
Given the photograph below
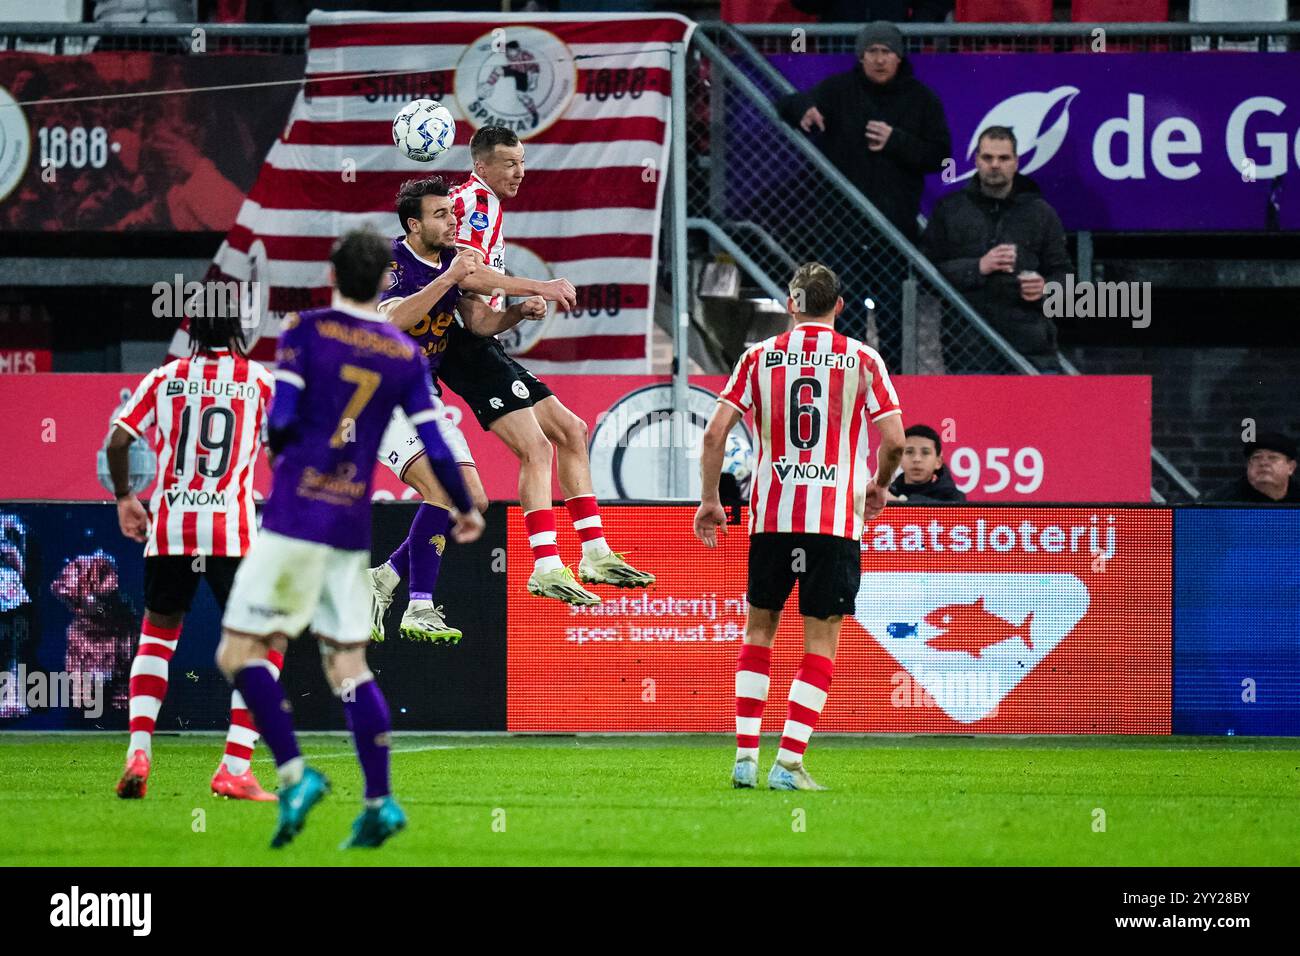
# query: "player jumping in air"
x,y
340,372
207,411
812,391
422,300
511,402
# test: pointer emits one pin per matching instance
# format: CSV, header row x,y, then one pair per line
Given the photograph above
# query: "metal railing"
x,y
926,325
751,211
780,200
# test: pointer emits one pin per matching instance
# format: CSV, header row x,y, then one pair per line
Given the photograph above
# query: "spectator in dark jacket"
x,y
999,242
924,479
1270,474
881,126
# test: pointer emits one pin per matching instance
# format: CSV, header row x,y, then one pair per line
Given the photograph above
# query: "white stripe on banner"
x,y
384,158
521,224
361,59
323,109
546,369
594,271
311,274
364,59
279,272
627,322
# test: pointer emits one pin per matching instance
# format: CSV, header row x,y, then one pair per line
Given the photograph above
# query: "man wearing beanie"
x,y
1270,474
880,125
884,130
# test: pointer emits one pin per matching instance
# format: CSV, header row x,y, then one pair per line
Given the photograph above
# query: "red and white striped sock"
x,y
148,684
752,667
807,698
585,513
541,538
242,736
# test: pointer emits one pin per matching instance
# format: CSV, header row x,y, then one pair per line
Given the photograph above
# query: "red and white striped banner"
x,y
588,95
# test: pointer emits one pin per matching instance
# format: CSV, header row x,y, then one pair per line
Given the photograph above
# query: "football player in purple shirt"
x,y
423,300
340,373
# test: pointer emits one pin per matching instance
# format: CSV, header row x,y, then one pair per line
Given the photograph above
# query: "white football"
x,y
424,129
738,461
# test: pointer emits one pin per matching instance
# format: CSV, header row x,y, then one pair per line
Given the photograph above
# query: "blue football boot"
x,y
375,825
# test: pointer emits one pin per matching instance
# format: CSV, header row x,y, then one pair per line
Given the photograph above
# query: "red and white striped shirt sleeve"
x,y
739,392
141,408
882,400
477,211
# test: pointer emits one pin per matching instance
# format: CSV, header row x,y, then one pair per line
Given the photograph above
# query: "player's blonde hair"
x,y
815,289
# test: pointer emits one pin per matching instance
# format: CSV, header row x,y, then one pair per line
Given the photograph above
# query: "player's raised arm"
x,y
481,319
488,282
406,312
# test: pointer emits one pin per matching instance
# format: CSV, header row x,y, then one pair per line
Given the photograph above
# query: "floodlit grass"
x,y
667,801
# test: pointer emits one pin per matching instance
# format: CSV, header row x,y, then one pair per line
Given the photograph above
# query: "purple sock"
x,y
264,696
400,560
428,539
367,714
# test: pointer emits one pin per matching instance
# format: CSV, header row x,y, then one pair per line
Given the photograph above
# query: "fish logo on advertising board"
x,y
968,639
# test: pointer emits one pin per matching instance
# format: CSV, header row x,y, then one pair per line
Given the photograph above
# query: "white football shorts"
x,y
401,444
286,586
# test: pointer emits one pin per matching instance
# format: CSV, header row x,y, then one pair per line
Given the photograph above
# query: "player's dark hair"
x,y
999,132
488,138
411,195
216,332
360,259
814,288
925,431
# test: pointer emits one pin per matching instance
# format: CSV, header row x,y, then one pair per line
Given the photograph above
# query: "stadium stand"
x,y
1004,11
763,11
1119,11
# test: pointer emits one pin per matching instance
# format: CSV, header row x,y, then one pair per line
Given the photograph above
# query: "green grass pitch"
x,y
665,801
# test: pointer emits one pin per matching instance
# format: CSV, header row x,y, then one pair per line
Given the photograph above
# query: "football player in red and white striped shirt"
x,y
512,402
208,412
812,391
